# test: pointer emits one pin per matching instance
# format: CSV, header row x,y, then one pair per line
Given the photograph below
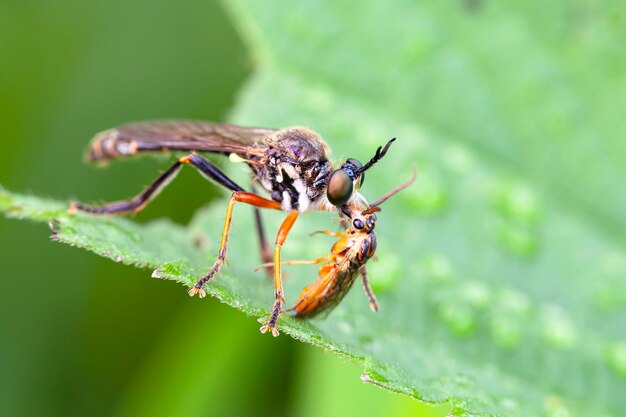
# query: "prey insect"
x,y
346,260
291,164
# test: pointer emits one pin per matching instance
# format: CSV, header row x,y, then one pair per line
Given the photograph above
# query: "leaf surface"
x,y
501,273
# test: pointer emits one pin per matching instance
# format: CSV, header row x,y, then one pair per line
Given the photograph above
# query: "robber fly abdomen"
x,y
290,164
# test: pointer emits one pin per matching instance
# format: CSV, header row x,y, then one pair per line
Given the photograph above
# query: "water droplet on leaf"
x,y
513,301
437,268
476,293
616,356
459,317
518,240
506,331
558,329
516,202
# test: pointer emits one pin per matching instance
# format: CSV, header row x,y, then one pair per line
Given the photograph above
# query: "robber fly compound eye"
x,y
340,187
343,181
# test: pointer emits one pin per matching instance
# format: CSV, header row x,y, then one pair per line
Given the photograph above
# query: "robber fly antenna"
x,y
396,189
380,152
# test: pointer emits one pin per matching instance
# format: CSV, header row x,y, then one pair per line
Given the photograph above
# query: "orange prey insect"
x,y
347,258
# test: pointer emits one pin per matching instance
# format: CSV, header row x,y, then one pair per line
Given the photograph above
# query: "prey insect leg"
x,y
327,232
238,196
141,200
368,290
281,237
298,262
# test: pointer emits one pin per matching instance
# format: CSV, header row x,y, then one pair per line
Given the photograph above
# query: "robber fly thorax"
x,y
291,164
295,170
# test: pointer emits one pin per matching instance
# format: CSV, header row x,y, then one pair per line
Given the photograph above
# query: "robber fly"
x,y
291,164
347,259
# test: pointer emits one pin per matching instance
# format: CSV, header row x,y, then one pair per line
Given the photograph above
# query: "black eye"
x,y
339,188
358,224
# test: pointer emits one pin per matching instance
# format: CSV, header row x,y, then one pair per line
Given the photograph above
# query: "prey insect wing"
x,y
333,282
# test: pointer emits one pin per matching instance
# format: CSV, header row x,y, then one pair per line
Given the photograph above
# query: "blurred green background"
x,y
81,335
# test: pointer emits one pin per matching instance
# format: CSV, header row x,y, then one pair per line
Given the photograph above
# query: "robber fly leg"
x,y
281,237
141,200
266,253
368,290
138,202
238,196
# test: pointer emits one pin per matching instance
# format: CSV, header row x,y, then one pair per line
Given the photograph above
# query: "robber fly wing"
x,y
177,135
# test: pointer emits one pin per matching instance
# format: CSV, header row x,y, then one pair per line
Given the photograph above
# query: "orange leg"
x,y
327,232
237,197
281,237
298,262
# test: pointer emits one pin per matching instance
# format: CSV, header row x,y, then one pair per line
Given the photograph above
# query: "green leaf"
x,y
501,273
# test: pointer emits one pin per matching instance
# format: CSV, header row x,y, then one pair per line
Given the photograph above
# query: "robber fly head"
x,y
349,178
